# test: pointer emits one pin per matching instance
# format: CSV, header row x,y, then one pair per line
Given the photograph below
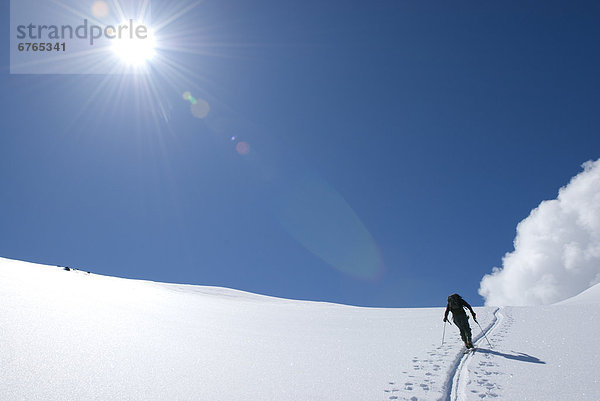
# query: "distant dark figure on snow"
x,y
457,306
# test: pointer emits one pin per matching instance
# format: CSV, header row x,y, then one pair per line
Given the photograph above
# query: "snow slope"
x,y
78,336
589,296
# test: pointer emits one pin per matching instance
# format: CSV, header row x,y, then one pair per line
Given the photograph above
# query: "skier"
x,y
456,305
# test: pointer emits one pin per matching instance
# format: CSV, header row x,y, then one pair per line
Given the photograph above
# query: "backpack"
x,y
455,302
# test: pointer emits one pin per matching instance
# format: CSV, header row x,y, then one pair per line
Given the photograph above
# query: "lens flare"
x,y
199,108
100,9
320,219
243,148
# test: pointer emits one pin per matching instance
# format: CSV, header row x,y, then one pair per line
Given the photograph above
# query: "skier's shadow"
x,y
519,356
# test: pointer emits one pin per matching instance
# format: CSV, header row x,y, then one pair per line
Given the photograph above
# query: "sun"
x,y
133,50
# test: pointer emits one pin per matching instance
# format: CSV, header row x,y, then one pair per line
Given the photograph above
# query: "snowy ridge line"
x,y
456,367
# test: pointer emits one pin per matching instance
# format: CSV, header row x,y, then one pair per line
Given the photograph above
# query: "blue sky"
x,y
411,137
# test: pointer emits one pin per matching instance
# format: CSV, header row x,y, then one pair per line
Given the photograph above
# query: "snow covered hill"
x,y
70,335
589,296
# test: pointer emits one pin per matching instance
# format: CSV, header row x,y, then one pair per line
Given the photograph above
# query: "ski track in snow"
x,y
415,387
458,377
479,382
414,383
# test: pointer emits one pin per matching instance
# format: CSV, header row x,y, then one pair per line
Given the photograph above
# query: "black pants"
x,y
462,322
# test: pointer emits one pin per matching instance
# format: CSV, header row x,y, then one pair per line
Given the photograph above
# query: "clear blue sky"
x,y
424,130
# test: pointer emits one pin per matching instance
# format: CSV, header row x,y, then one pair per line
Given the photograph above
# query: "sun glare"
x,y
134,51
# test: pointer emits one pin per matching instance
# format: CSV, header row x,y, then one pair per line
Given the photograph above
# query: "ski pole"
x,y
444,333
482,332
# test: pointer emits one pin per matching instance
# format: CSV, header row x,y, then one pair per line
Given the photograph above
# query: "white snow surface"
x,y
589,296
69,335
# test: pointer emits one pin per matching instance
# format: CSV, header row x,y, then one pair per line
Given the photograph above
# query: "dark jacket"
x,y
459,311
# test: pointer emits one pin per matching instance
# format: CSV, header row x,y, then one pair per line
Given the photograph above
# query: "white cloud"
x,y
557,248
